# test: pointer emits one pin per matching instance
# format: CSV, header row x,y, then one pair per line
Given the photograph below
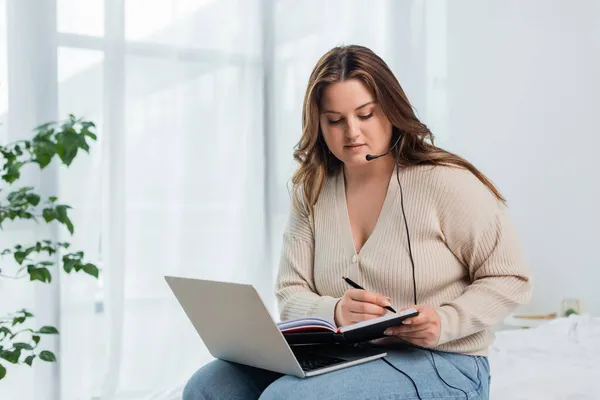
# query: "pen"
x,y
357,286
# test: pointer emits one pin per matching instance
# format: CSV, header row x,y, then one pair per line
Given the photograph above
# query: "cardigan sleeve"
x,y
295,288
480,233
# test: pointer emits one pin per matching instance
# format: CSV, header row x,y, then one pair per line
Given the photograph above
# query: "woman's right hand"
x,y
359,305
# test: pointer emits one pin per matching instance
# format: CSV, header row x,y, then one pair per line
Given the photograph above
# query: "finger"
x,y
369,297
366,308
414,335
420,319
403,329
357,317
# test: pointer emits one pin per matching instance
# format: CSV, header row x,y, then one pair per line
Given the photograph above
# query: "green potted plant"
x,y
19,343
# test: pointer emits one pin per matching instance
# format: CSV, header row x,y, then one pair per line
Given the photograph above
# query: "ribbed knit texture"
x,y
469,264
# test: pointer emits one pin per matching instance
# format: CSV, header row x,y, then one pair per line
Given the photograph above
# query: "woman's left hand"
x,y
423,330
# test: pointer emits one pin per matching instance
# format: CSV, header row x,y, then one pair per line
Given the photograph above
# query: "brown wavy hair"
x,y
416,147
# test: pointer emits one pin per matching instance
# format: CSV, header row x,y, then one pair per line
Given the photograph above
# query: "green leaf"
x,y
69,264
46,263
87,125
47,356
25,214
49,214
2,371
90,135
67,144
43,152
29,359
22,346
12,172
69,224
33,199
20,256
52,199
35,338
47,274
4,330
18,320
48,330
25,312
91,269
8,156
12,356
61,212
39,274
17,197
83,144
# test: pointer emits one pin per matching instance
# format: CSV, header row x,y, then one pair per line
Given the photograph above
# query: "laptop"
x,y
235,326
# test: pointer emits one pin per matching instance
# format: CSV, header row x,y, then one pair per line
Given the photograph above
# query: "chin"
x,y
355,160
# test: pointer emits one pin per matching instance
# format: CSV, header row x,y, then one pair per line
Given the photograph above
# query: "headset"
x,y
370,157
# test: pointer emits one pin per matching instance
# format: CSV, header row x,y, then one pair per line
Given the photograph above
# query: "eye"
x,y
334,122
364,117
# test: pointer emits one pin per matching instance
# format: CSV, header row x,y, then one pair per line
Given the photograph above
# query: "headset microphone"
x,y
369,157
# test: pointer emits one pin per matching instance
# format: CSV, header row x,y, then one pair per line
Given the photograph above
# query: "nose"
x,y
353,131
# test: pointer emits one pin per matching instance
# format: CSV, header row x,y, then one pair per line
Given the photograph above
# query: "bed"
x,y
559,360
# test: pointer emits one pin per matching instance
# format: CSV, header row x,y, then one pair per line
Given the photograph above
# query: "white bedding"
x,y
556,361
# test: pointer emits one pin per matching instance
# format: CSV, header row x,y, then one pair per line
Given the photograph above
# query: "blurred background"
x,y
198,105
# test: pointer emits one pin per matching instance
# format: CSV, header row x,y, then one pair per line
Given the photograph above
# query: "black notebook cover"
x,y
357,333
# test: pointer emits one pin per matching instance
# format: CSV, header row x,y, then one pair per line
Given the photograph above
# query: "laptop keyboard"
x,y
312,361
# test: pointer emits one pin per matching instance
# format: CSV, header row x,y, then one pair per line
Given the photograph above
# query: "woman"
x,y
416,227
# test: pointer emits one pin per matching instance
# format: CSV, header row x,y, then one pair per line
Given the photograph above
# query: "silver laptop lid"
x,y
234,324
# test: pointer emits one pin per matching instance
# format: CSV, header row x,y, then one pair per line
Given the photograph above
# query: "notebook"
x,y
314,330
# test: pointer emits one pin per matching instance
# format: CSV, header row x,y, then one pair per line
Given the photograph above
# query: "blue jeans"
x,y
373,380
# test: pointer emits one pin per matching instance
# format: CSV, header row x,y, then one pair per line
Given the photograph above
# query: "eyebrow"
x,y
357,108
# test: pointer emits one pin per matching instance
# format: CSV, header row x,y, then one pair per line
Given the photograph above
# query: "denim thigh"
x,y
226,380
436,375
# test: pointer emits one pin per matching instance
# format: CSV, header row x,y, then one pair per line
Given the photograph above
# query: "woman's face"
x,y
353,124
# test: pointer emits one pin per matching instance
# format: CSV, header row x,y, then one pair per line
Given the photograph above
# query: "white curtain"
x,y
174,185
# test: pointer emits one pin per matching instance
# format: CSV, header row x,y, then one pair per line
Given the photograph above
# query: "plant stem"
x,y
13,277
14,335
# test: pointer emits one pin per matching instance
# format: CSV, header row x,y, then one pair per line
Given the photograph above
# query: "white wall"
x,y
522,87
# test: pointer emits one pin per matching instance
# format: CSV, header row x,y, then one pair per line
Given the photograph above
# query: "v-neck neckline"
x,y
344,215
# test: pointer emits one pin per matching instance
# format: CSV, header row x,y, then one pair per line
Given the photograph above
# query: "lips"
x,y
354,145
